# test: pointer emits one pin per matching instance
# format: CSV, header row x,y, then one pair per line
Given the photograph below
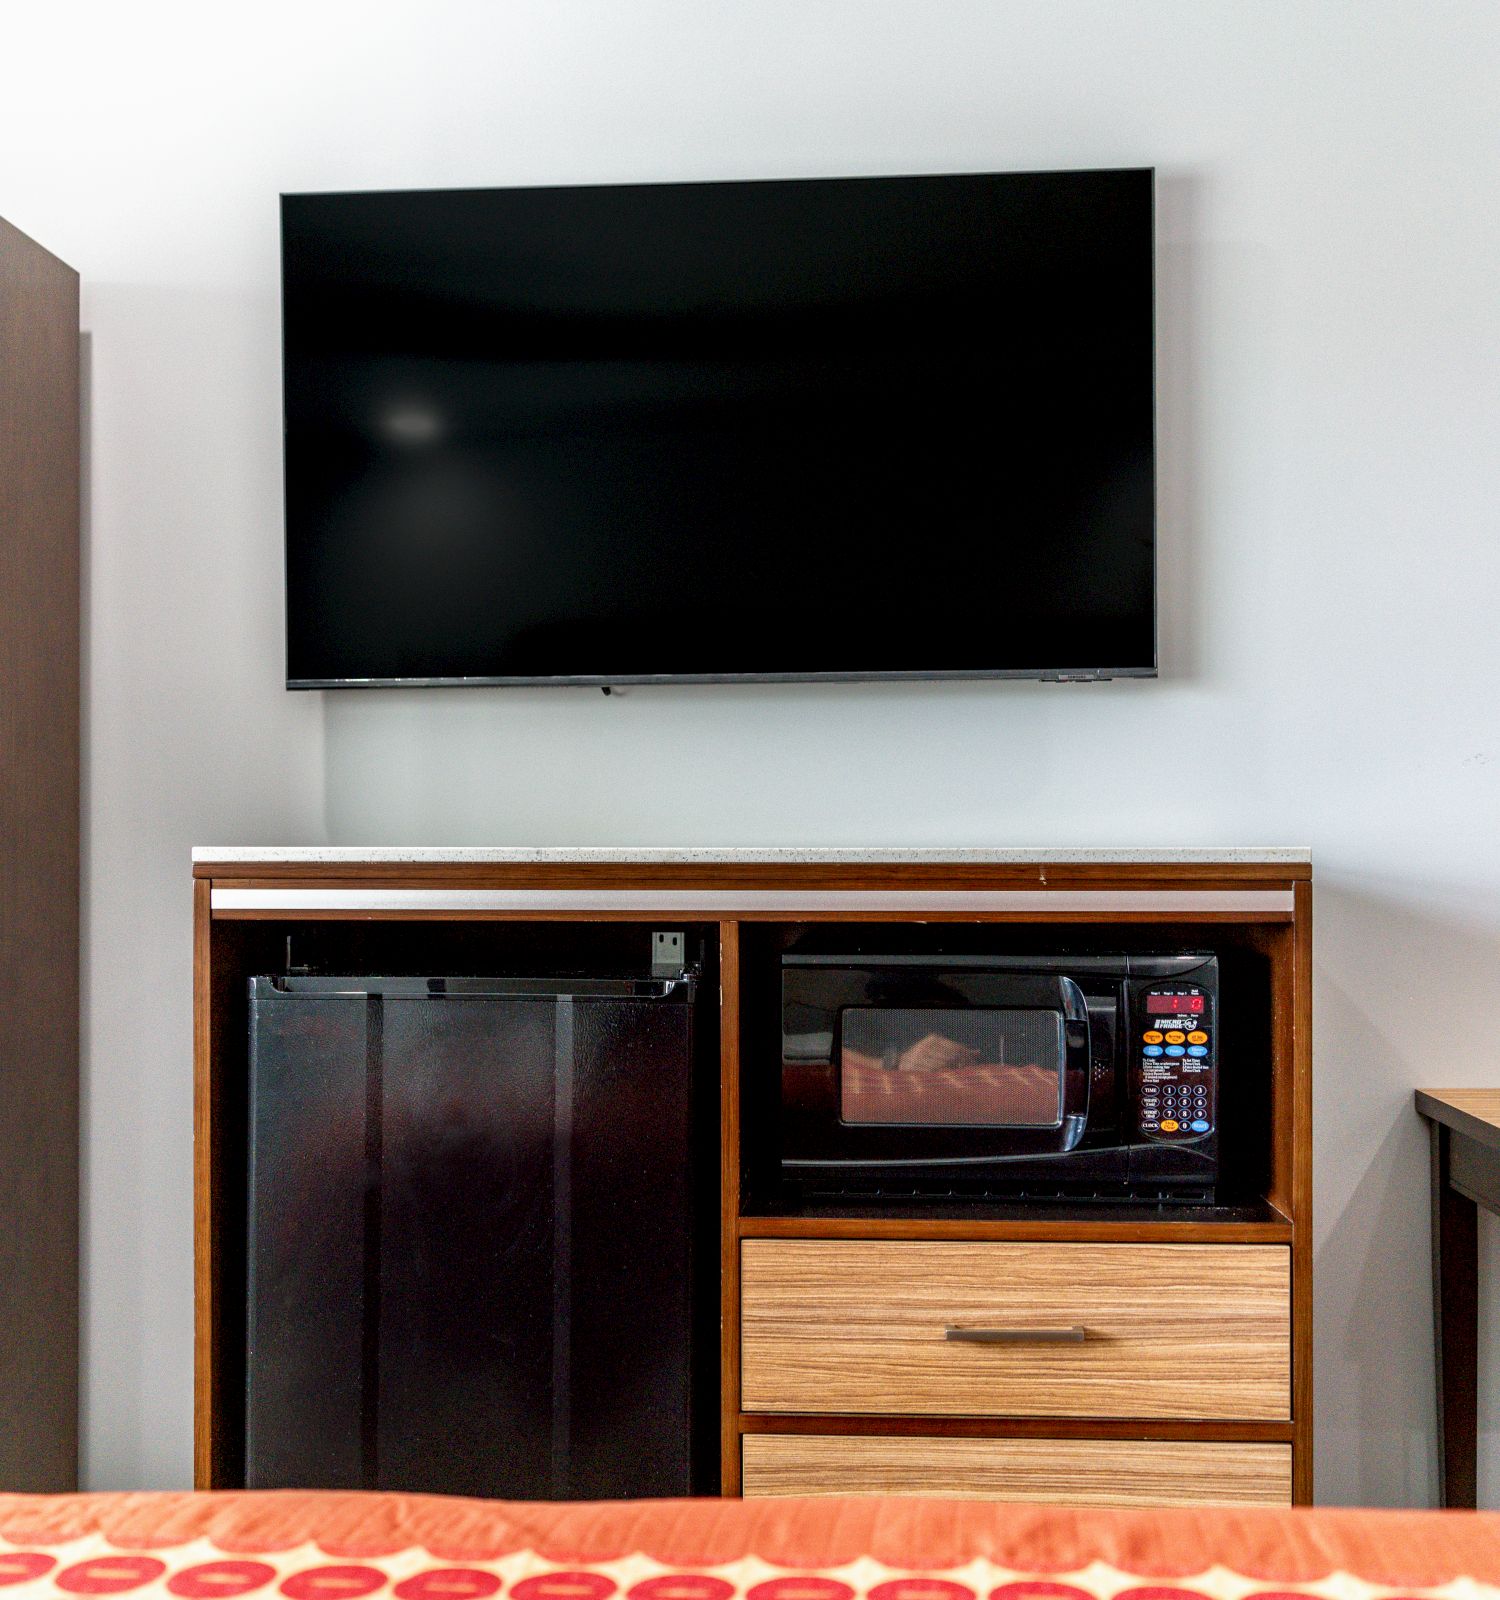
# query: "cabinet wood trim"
x,y
1090,1232
789,902
205,1234
1226,1432
729,1205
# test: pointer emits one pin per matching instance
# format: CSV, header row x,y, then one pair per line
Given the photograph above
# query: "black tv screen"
x,y
845,428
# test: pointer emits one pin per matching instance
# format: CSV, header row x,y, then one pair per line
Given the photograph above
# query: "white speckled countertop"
x,y
561,854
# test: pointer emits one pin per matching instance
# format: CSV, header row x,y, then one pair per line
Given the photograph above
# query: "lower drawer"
x,y
1077,1472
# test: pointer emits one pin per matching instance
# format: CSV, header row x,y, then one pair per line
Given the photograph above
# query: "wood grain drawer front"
x,y
860,1327
1071,1472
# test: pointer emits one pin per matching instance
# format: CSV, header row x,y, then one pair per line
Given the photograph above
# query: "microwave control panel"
x,y
1175,1052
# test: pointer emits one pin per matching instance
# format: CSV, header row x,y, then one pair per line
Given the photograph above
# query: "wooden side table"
x,y
1465,1127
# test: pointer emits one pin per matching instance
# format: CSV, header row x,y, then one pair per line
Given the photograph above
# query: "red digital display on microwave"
x,y
1173,1004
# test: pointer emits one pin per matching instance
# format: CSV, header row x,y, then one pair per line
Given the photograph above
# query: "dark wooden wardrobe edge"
x,y
39,866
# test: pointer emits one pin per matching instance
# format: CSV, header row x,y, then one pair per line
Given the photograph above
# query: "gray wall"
x,y
1330,562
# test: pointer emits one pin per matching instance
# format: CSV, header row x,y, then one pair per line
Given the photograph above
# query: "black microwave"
x,y
1004,1077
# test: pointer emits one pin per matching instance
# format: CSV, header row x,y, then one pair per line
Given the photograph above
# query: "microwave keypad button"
x,y
1197,1036
1174,1050
1153,1036
1200,1126
1176,1036
1197,1049
1152,1050
1169,1126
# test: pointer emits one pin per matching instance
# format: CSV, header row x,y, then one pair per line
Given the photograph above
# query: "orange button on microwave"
x,y
1176,1036
1197,1036
1169,1126
1151,1036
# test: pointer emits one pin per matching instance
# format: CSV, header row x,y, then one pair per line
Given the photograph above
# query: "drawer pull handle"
x,y
1073,1335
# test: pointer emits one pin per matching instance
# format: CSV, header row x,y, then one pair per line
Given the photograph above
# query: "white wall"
x,y
1330,559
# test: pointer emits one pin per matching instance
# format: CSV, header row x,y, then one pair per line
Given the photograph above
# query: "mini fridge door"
x,y
470,1238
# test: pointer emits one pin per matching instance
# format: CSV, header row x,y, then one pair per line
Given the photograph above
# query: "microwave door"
x,y
1002,1069
978,1067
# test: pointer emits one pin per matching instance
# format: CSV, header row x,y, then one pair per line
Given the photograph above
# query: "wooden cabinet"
x,y
1191,1378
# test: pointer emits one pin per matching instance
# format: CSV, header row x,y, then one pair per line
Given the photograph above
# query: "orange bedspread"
x,y
415,1547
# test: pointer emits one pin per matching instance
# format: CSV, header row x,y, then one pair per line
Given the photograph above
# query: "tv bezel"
x,y
1080,674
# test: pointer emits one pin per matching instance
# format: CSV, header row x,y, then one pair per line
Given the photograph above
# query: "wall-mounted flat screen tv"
x,y
810,429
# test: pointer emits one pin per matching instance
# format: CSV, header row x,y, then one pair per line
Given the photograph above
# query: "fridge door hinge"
x,y
667,951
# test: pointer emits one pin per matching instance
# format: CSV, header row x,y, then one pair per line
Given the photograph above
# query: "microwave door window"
x,y
980,1067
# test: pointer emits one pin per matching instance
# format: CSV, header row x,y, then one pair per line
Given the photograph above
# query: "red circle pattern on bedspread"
x,y
345,1546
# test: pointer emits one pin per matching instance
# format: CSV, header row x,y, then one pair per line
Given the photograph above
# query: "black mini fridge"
x,y
472,1216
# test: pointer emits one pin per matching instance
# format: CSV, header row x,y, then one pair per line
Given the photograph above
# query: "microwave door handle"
x,y
1073,1335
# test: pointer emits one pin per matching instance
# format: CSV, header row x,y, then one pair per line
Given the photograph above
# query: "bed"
x,y
345,1546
